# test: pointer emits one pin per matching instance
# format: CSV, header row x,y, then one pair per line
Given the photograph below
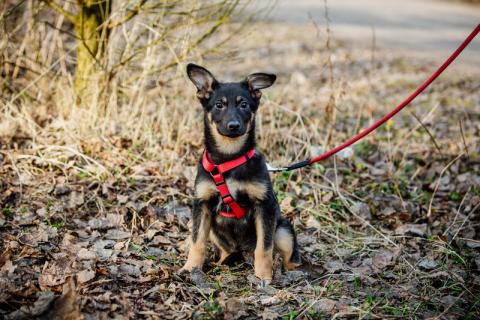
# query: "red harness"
x,y
235,210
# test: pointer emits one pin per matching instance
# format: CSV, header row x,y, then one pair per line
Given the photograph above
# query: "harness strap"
x,y
217,171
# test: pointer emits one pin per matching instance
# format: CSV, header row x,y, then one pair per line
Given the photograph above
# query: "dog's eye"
x,y
244,104
219,105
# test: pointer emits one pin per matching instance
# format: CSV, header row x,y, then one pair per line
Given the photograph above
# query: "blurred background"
x,y
101,131
432,28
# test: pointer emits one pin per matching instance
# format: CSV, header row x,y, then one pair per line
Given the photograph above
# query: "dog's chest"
x,y
254,190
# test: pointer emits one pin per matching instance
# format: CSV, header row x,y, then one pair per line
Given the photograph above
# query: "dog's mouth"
x,y
223,131
232,135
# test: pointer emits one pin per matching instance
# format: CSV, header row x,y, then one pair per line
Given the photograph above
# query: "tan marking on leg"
x,y
223,252
291,265
284,243
226,144
198,249
263,257
255,190
205,190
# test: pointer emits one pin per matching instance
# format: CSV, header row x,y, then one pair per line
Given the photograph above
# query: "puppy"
x,y
235,205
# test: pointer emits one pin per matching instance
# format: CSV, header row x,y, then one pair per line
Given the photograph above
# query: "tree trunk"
x,y
92,42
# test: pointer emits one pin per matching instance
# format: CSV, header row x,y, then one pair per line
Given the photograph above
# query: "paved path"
x,y
431,28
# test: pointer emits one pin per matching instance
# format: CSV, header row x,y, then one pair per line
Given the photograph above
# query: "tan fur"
x,y
254,190
257,94
198,249
205,190
203,94
226,144
223,253
263,256
284,243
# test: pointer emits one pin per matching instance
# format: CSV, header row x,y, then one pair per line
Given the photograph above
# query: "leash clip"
x,y
273,169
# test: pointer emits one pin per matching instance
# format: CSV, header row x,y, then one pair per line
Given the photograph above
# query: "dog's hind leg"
x,y
224,252
286,242
198,246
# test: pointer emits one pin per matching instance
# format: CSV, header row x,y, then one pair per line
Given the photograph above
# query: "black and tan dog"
x,y
235,205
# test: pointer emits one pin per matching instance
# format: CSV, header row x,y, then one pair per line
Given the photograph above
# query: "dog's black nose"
x,y
233,125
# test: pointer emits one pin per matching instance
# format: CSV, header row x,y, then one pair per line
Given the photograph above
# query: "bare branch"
x,y
11,10
428,131
129,16
60,10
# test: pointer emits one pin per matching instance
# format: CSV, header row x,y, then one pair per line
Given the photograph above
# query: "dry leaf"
x,y
412,229
85,275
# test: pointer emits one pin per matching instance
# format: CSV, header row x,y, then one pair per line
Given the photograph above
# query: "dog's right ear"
x,y
202,79
257,81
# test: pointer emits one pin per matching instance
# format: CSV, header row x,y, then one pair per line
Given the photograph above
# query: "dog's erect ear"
x,y
202,79
257,81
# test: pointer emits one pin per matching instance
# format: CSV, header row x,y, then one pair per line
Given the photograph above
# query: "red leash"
x,y
402,105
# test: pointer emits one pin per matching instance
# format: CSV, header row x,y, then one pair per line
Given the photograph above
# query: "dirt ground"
x,y
390,231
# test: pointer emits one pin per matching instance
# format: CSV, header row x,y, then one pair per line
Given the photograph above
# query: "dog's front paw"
x,y
188,267
263,264
184,270
264,274
261,284
195,260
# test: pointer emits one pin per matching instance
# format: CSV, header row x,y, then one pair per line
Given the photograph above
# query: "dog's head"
x,y
230,107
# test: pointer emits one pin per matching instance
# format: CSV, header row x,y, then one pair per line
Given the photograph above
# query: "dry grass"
x,y
40,104
142,80
366,223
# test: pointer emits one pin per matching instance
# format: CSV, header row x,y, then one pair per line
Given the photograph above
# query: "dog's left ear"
x,y
202,79
257,81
